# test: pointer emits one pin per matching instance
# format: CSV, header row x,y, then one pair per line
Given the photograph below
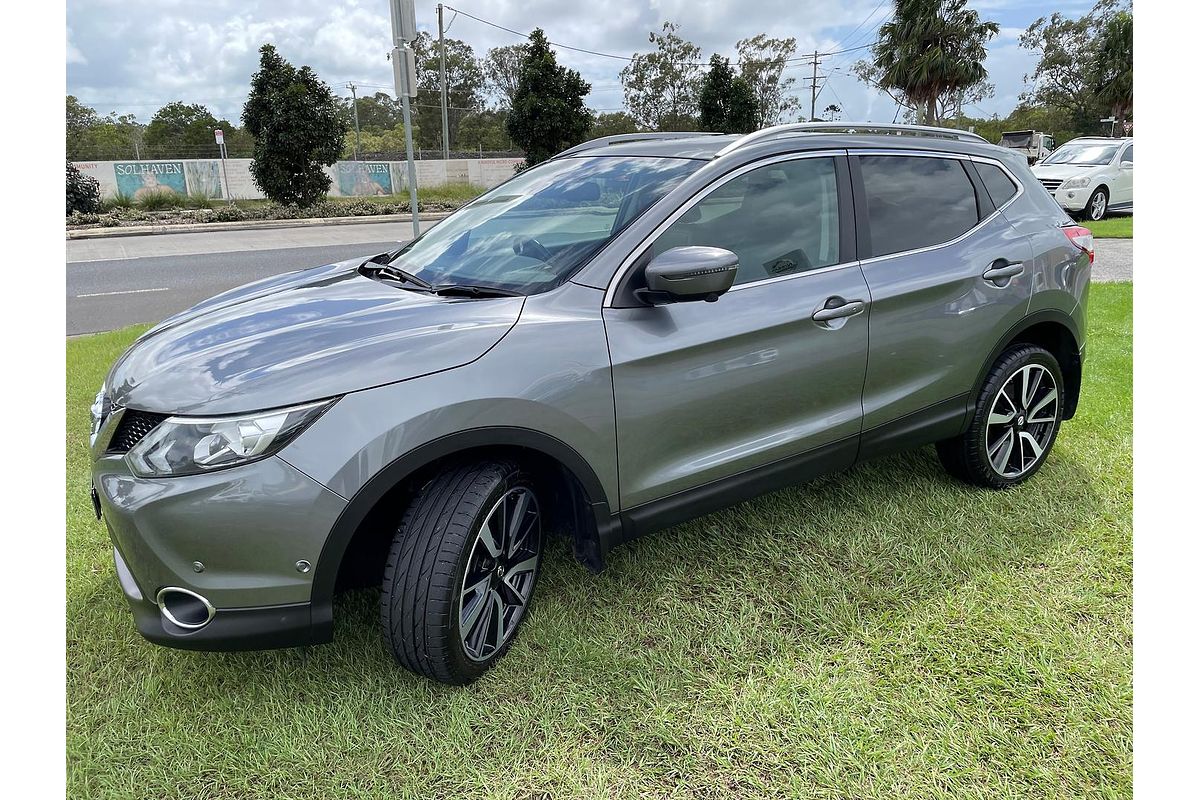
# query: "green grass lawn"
x,y
1112,228
882,633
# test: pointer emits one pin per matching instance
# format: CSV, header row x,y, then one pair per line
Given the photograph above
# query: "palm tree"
x,y
1114,65
931,48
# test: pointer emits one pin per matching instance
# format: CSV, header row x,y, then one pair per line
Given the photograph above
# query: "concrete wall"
x,y
349,178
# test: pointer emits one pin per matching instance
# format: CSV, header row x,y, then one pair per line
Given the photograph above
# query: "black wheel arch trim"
x,y
596,524
1071,372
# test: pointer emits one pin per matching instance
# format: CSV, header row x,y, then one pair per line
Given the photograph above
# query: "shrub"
x,y
159,200
226,213
198,201
83,192
118,200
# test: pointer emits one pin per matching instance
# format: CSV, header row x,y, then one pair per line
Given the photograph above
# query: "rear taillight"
x,y
1082,238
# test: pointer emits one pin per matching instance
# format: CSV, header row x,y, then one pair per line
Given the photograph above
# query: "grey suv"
x,y
638,331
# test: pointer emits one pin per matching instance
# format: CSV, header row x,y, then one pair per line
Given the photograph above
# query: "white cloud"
x,y
141,54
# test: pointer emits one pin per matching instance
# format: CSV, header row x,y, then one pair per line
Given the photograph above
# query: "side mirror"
x,y
684,274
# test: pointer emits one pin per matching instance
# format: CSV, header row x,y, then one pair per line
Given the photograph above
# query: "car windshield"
x,y
530,234
1089,155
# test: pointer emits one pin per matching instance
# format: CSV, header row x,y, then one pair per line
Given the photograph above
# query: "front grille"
x,y
1051,184
132,428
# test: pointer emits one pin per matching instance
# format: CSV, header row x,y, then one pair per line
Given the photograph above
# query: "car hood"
x,y
1065,171
302,336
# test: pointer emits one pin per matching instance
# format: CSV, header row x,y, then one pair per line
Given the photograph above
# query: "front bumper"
x,y
239,537
1073,199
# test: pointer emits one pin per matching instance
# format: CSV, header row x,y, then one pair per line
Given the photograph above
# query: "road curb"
x,y
248,225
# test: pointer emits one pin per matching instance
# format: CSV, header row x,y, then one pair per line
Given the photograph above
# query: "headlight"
x,y
100,409
1075,183
190,445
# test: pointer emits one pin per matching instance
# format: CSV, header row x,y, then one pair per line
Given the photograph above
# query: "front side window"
x,y
780,219
1082,155
1127,158
532,233
916,201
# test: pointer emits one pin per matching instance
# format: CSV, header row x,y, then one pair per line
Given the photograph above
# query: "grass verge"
x,y
1112,228
883,633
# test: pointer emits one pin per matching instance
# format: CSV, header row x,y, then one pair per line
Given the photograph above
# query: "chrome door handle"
x,y
847,309
1002,270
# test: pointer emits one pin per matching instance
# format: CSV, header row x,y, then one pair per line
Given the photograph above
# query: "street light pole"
x,y
445,110
404,30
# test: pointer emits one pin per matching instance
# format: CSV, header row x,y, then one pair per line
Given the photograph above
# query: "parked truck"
x,y
1034,144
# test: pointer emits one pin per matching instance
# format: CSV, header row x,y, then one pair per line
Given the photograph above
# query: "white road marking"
x,y
127,291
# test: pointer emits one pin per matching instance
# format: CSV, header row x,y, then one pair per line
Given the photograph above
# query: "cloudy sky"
x,y
133,56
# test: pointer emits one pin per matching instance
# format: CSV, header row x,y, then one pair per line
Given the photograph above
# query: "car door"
x,y
769,377
948,277
1122,195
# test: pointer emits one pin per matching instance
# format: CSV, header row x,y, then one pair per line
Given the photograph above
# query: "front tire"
x,y
461,571
1016,421
1097,205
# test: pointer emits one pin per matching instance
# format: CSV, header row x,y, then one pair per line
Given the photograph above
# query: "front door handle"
x,y
1002,270
846,309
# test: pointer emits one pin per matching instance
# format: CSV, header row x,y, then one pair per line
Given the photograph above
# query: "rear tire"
x,y
461,571
1015,422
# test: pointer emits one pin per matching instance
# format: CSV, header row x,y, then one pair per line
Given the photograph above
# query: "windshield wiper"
x,y
473,290
386,270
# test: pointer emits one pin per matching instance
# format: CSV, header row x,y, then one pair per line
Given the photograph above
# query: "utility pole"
x,y
404,30
812,105
357,142
445,110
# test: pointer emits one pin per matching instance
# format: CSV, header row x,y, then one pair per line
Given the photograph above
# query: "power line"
x,y
846,39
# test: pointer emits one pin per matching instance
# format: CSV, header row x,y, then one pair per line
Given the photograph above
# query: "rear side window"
x,y
915,201
999,186
1128,157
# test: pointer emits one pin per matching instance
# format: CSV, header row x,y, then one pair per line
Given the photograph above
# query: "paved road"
x,y
122,281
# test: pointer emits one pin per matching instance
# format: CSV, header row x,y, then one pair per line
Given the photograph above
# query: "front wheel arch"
x,y
583,505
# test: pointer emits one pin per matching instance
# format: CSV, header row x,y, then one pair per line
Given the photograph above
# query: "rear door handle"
x,y
1002,270
847,309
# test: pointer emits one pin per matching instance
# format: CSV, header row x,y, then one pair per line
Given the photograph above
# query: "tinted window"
x,y
999,186
1128,155
915,202
780,219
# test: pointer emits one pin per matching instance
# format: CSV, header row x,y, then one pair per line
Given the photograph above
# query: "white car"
x,y
1090,176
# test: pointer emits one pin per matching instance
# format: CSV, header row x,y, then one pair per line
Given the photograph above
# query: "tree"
x,y
1068,72
83,192
484,130
761,60
179,130
377,112
928,50
548,113
612,123
298,128
502,72
92,137
726,100
1114,65
831,113
464,88
661,87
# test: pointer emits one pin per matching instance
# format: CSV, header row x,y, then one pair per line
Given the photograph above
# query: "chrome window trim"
x,y
960,157
636,253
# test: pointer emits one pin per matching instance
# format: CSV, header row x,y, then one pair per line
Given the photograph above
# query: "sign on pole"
x,y
220,134
404,68
404,20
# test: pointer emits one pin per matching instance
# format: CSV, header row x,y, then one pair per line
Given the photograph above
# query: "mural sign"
x,y
364,178
136,179
204,177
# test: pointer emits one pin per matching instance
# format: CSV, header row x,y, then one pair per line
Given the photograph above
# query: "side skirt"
x,y
700,500
930,424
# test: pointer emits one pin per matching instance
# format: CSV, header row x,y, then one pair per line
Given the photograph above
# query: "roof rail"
x,y
623,138
868,128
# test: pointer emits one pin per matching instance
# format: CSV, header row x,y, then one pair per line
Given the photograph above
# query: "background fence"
x,y
231,178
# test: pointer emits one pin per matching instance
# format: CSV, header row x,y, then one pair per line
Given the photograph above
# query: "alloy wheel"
x,y
1098,206
501,568
1022,421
